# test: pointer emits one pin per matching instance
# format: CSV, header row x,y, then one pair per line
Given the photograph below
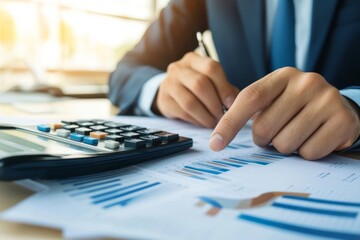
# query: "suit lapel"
x,y
322,15
252,14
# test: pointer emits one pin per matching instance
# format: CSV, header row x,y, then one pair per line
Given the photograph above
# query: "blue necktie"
x,y
283,36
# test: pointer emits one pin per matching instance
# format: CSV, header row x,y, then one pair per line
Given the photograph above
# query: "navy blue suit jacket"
x,y
238,28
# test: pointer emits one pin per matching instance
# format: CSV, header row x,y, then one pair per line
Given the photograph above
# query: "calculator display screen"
x,y
13,141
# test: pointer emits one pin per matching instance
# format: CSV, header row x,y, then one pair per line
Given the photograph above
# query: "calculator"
x,y
71,148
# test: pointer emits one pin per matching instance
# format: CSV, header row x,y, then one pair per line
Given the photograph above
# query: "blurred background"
x,y
72,45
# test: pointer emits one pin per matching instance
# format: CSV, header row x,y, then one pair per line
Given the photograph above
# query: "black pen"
x,y
206,52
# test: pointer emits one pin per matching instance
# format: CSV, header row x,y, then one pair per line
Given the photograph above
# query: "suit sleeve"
x,y
166,40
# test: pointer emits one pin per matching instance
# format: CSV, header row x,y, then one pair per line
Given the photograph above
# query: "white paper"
x,y
178,197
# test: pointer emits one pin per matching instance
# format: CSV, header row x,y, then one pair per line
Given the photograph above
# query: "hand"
x,y
195,90
293,110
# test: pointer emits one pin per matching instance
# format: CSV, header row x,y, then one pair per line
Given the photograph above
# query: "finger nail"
x,y
216,142
229,101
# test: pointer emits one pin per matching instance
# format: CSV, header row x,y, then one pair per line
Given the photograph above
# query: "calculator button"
x,y
98,121
77,137
110,144
115,125
86,124
116,138
56,126
135,143
71,127
98,134
83,131
129,135
91,141
131,128
153,140
169,137
98,128
114,131
43,128
148,131
69,122
63,133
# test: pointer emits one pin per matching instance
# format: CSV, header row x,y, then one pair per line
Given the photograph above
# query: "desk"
x,y
10,193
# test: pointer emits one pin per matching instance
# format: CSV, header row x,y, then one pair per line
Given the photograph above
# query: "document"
x,y
241,192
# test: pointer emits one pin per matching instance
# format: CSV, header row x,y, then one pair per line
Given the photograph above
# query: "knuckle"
x,y
332,94
308,153
188,56
286,70
307,84
312,80
172,67
209,66
262,130
189,103
199,83
252,94
284,146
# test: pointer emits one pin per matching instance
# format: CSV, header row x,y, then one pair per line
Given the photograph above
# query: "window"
x,y
65,42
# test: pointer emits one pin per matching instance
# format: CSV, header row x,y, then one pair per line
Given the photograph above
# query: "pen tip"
x,y
199,36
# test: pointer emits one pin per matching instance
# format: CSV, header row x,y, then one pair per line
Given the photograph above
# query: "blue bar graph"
x,y
211,201
123,203
316,210
190,175
213,167
94,177
300,229
114,188
203,170
118,190
85,182
93,185
324,201
95,190
228,163
124,194
237,146
267,155
250,161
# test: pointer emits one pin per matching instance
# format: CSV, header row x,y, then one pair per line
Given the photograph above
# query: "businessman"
x,y
293,66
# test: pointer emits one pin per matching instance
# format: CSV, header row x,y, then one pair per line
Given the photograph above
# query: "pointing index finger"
x,y
250,100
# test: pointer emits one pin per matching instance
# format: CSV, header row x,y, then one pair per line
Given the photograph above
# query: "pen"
x,y
202,44
205,50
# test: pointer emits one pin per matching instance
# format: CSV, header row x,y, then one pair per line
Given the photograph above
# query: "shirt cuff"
x,y
353,93
147,95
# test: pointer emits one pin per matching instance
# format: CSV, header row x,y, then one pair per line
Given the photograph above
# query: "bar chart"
x,y
310,216
216,169
119,188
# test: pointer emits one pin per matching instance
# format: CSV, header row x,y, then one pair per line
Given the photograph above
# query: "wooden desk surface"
x,y
10,193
